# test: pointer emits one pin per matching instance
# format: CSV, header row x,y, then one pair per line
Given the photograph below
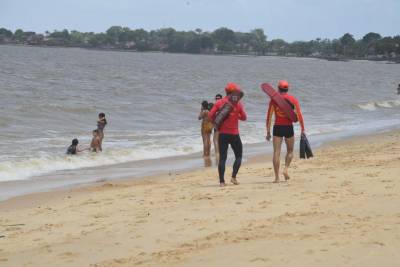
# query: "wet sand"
x,y
340,208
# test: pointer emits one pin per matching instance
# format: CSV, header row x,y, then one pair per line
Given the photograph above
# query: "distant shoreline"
x,y
331,58
222,41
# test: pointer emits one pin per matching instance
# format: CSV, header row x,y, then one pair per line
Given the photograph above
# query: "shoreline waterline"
x,y
323,214
149,169
333,58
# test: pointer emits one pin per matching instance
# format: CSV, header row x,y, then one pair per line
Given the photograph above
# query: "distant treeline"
x,y
220,41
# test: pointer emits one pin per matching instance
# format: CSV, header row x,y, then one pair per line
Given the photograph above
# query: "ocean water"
x,y
51,95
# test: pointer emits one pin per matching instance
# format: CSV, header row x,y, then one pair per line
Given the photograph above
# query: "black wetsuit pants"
x,y
223,143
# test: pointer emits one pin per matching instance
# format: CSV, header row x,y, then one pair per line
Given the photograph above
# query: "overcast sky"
x,y
287,19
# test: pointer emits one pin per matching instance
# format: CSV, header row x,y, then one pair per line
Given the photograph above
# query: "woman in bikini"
x,y
206,128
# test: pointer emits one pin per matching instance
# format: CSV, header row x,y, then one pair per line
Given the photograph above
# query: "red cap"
x,y
232,87
283,84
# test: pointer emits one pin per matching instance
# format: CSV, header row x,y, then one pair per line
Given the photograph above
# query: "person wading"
x,y
229,130
283,129
206,128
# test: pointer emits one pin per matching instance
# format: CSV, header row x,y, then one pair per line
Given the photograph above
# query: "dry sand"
x,y
339,209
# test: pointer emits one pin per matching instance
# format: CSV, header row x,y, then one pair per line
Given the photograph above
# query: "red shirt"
x,y
231,124
280,117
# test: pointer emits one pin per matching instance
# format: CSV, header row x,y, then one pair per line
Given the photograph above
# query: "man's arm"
x,y
269,119
299,116
270,112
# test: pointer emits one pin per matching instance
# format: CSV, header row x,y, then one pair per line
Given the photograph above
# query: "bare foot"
x,y
222,184
286,175
234,181
276,181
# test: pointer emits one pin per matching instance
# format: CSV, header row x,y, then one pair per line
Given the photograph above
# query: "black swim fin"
x,y
302,148
309,153
305,148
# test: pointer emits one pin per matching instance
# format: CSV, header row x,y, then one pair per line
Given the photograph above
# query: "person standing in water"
x,y
229,130
95,145
283,129
216,135
206,128
101,124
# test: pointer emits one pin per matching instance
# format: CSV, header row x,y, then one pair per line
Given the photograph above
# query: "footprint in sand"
x,y
265,202
378,243
345,183
85,233
89,202
258,187
67,255
259,259
310,252
46,248
107,185
100,215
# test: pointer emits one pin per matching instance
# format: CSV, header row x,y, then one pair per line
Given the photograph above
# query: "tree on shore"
x,y
370,41
347,41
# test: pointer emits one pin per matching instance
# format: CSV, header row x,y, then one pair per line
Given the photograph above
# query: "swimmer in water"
x,y
73,149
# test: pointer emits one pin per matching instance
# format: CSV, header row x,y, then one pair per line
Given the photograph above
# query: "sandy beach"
x,y
340,208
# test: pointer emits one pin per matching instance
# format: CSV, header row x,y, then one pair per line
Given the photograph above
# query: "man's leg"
x,y
289,156
223,153
237,147
277,142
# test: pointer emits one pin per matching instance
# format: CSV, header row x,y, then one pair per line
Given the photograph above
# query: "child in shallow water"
x,y
95,145
73,149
